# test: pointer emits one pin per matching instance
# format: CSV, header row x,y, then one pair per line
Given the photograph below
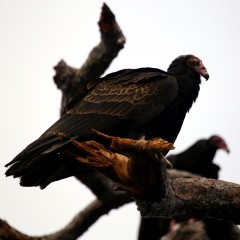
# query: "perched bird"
x,y
198,158
130,103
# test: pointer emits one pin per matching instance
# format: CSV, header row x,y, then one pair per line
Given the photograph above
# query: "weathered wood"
x,y
196,198
72,81
174,173
77,226
7,232
88,216
140,169
143,173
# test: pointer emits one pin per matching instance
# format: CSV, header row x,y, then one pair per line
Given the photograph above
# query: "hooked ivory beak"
x,y
202,71
226,149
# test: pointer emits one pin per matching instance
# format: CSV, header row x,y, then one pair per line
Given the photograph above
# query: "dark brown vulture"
x,y
198,158
130,103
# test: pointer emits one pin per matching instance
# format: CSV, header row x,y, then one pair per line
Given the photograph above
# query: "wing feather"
x,y
136,95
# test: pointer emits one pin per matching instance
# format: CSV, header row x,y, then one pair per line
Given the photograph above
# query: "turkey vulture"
x,y
198,158
129,103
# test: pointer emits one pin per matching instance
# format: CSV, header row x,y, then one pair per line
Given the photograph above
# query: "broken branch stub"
x,y
73,81
137,166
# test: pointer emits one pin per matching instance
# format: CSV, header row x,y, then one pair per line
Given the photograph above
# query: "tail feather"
x,y
43,162
33,149
49,170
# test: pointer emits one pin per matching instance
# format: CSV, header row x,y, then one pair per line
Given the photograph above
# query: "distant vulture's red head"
x,y
218,143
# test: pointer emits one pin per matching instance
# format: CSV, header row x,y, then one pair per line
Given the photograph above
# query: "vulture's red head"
x,y
218,143
184,62
196,64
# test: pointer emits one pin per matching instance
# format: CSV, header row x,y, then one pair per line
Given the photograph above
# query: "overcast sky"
x,y
35,35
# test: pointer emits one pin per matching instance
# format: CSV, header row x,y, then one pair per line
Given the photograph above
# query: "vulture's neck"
x,y
188,84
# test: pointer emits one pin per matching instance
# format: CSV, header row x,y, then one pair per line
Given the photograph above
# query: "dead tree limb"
x,y
8,232
84,219
157,195
174,173
133,171
79,224
196,198
141,170
72,81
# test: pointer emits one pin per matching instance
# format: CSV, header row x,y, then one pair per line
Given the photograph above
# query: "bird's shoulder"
x,y
125,81
133,75
135,86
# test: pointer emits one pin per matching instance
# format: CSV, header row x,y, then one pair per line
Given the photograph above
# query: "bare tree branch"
x,y
8,232
174,173
72,81
79,224
142,172
196,198
145,176
84,219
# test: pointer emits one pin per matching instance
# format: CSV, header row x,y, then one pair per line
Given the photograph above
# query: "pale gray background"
x,y
35,35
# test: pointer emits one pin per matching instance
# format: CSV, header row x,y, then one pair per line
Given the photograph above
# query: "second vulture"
x,y
198,158
130,103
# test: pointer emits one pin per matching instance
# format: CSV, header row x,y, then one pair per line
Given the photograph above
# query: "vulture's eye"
x,y
195,63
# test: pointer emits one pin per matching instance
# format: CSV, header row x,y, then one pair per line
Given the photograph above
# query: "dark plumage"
x,y
129,103
198,158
